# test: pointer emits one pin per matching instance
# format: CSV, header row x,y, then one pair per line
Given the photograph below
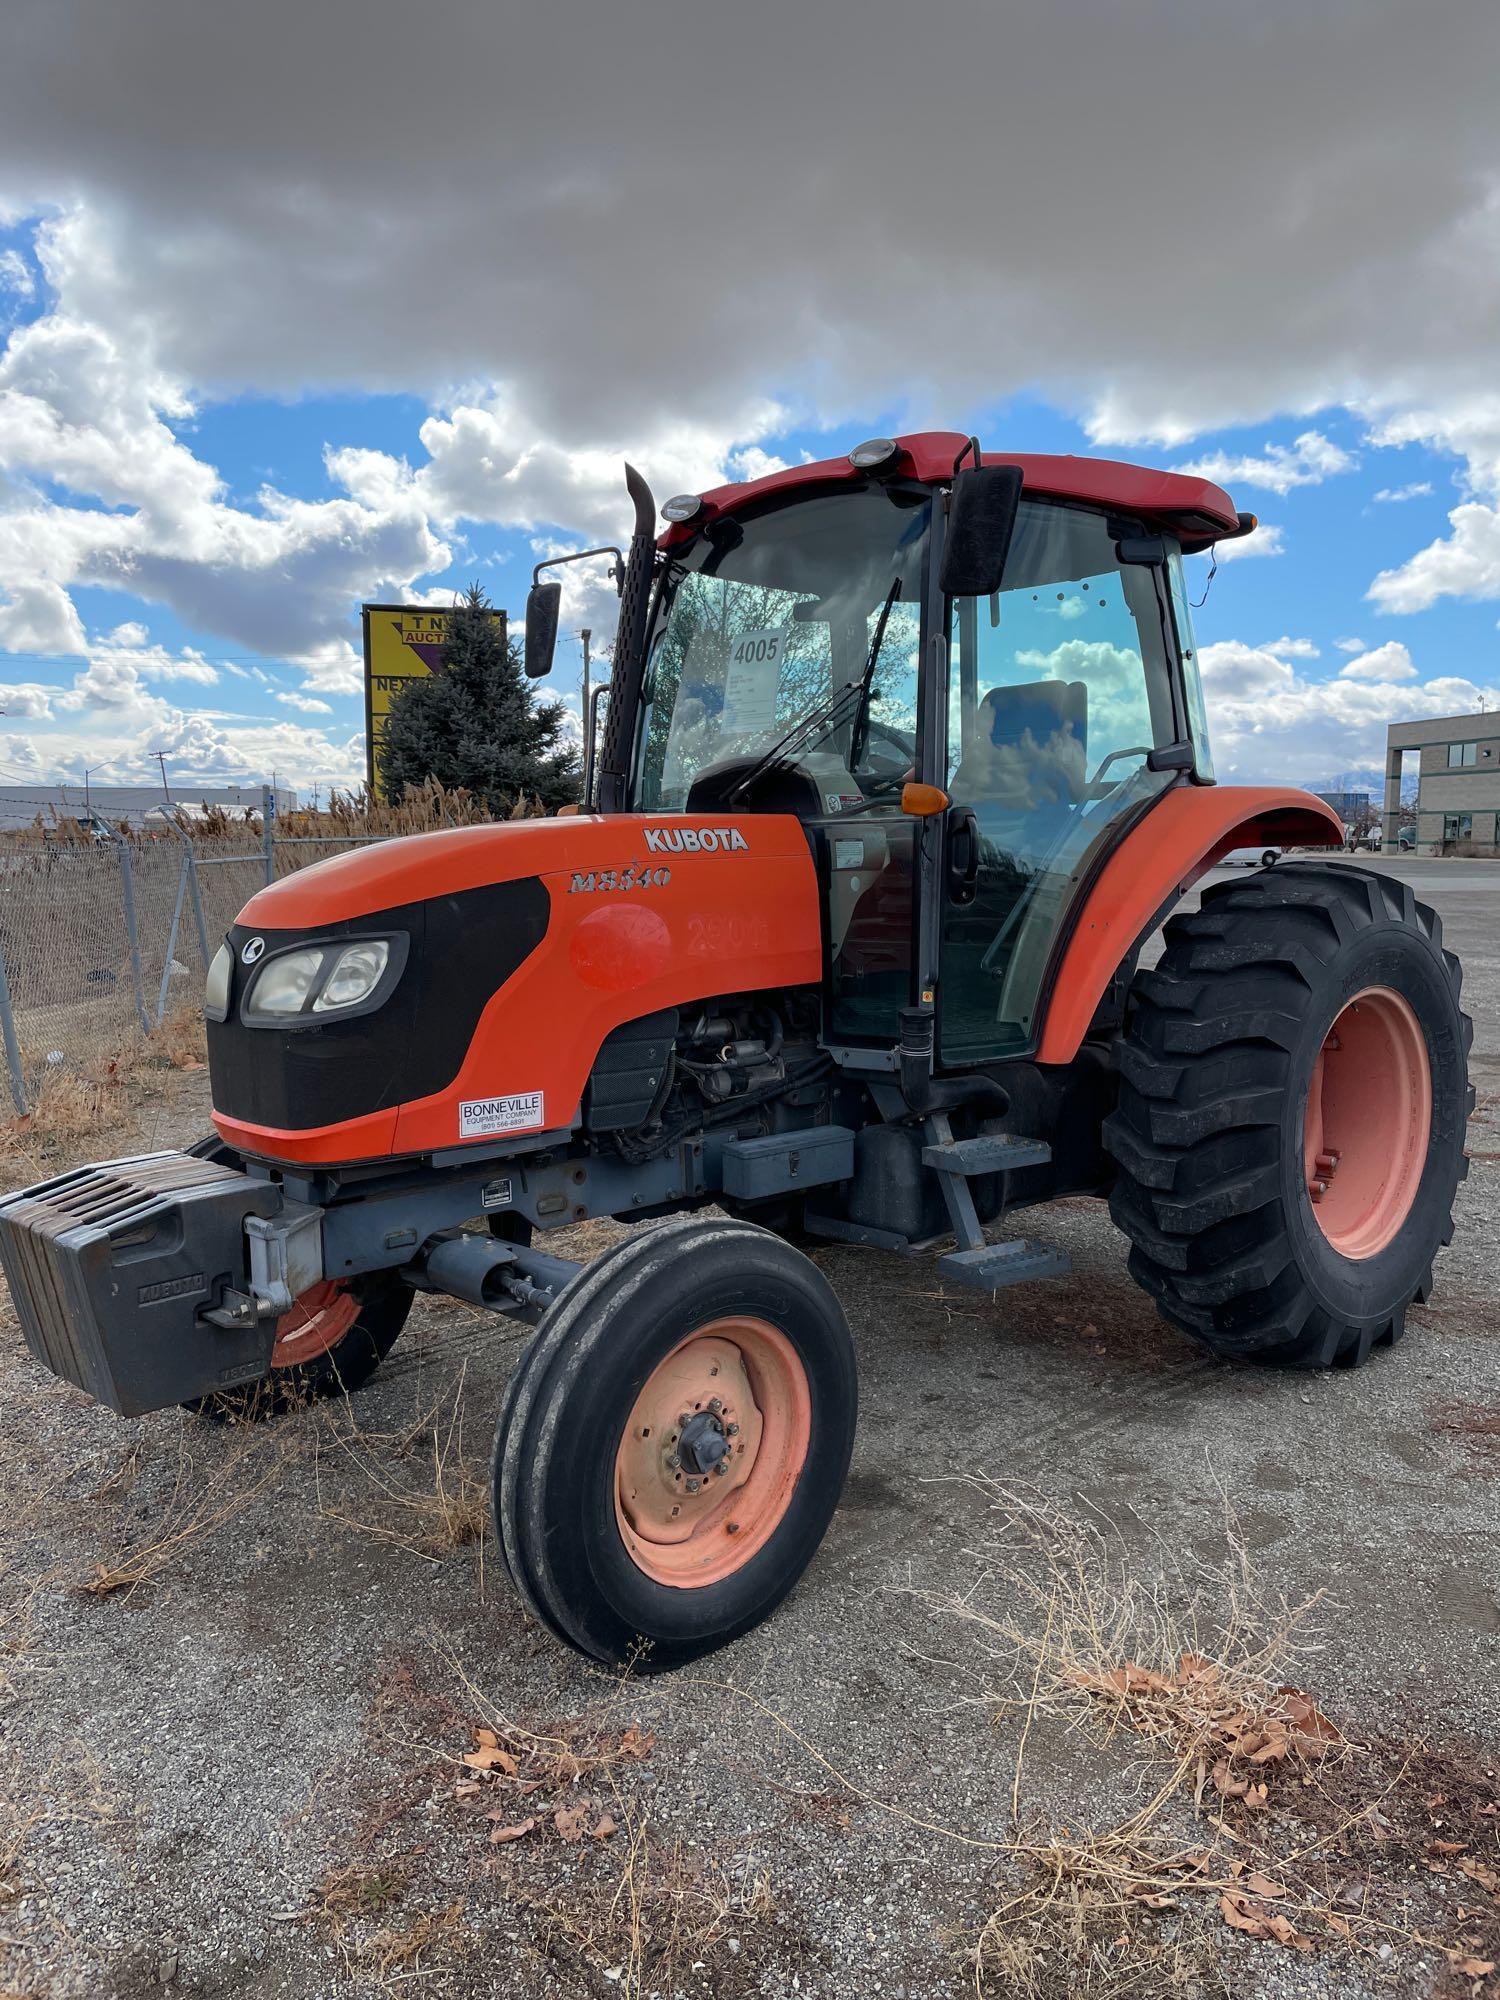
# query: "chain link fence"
x,y
103,942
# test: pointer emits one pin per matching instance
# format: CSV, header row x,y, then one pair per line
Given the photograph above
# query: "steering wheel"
x,y
899,750
1093,789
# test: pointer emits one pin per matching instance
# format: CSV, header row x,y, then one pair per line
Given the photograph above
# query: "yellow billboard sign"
x,y
403,642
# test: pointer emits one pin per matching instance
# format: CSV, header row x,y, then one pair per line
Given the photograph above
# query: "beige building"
x,y
1458,783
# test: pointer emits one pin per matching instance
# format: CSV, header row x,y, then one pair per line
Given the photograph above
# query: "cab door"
x,y
1061,695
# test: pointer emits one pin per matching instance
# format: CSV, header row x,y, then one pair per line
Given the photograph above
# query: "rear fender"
x,y
1188,829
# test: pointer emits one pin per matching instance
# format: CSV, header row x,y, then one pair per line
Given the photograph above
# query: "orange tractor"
x,y
905,758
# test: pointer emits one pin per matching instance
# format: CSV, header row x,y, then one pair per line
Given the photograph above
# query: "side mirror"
x,y
543,608
981,521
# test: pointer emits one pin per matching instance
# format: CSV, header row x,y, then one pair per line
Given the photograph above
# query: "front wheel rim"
x,y
734,1395
1368,1122
314,1324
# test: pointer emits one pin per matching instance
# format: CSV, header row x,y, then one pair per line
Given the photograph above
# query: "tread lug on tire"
x,y
673,1442
1325,991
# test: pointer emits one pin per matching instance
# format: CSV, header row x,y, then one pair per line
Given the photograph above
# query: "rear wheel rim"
x,y
734,1394
1368,1122
314,1324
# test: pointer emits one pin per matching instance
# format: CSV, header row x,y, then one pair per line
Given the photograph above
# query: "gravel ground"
x,y
244,1774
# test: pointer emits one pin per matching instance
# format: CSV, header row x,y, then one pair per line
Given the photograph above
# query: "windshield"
x,y
796,629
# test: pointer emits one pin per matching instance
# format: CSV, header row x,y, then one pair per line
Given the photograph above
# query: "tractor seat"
x,y
1030,753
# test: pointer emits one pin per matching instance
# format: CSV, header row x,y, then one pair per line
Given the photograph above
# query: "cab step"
x,y
995,1264
990,1153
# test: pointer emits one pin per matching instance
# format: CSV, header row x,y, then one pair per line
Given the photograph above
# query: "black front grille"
x,y
462,949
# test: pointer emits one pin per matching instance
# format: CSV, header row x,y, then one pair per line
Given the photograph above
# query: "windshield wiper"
x,y
821,721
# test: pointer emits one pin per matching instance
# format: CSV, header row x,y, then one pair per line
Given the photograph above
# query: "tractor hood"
x,y
512,951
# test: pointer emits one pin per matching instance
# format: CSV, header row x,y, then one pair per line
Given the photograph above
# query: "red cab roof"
x,y
1196,510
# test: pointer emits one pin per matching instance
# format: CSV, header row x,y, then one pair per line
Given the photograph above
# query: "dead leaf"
x,y
569,1821
1285,1932
486,1739
1234,1910
1261,1885
517,1832
1154,1899
1477,1872
1308,1721
492,1758
606,1827
1447,1847
1226,1782
1471,1968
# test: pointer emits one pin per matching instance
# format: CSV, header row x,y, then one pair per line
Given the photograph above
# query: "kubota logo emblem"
x,y
694,839
252,951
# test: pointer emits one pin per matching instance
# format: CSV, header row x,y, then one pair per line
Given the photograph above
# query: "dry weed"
x,y
199,1504
430,1496
1194,1654
1191,1658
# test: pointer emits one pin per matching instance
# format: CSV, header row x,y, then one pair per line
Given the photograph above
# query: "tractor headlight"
x,y
304,987
216,986
285,983
354,975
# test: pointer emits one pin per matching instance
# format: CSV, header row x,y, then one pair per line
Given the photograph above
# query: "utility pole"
x,y
586,634
88,772
161,758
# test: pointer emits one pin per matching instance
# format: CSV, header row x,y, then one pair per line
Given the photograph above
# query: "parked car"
x,y
1251,857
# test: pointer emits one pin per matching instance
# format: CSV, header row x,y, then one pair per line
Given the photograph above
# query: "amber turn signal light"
x,y
922,801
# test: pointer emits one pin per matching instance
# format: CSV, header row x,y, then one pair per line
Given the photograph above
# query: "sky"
x,y
316,303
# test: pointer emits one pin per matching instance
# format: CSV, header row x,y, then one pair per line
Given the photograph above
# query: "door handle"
x,y
962,846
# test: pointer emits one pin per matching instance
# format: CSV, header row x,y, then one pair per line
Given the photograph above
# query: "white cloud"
x,y
15,275
1463,564
85,411
1266,722
28,698
510,246
1415,489
1349,645
1307,461
306,704
1293,649
1388,663
1262,541
39,617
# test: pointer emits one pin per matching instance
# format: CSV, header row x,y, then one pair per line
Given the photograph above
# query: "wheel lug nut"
x,y
721,1468
715,1405
673,1461
692,1486
731,1430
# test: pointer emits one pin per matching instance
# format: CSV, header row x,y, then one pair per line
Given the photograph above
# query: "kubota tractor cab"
x,y
905,758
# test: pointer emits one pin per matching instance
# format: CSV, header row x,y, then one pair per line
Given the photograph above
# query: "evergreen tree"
x,y
476,724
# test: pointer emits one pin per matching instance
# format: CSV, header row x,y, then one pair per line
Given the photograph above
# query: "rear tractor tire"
x,y
1290,1128
673,1442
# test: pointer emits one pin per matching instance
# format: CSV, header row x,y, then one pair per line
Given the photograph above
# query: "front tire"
x,y
620,1532
1290,1128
